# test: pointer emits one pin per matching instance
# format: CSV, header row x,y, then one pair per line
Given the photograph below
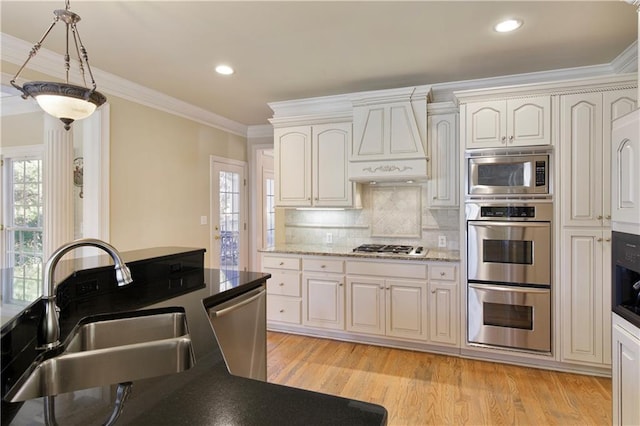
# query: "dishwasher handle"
x,y
239,302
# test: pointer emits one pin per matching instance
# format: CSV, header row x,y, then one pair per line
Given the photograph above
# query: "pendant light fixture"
x,y
65,101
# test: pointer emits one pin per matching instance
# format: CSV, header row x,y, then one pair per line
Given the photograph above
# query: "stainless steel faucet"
x,y
49,333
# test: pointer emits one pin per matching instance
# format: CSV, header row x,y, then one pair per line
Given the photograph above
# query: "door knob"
x,y
217,237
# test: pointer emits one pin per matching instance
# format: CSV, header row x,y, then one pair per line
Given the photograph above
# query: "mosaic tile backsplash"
x,y
391,214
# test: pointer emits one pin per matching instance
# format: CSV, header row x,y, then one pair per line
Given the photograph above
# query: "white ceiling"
x,y
292,50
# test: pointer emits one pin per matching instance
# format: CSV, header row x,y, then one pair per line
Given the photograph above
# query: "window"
x,y
23,201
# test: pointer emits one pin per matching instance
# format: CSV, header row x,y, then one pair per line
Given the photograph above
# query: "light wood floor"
x,y
425,389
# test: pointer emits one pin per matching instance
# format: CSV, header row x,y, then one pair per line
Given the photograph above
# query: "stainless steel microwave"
x,y
505,174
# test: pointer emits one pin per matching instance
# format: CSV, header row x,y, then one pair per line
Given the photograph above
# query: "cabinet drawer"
x,y
284,282
281,262
415,270
442,272
323,265
284,309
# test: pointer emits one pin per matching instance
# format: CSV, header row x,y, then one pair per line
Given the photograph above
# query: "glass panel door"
x,y
229,244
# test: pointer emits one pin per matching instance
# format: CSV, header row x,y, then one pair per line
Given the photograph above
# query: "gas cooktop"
x,y
390,249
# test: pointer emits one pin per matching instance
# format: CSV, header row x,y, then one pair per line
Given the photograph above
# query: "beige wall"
x,y
160,176
22,129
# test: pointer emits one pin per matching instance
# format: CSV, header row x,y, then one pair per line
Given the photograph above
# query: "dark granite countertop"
x,y
206,394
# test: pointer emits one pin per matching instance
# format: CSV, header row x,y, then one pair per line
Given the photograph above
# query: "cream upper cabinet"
x,y
586,154
625,172
311,166
506,123
443,159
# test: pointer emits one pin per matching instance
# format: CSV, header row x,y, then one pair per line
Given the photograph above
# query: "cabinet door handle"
x,y
442,274
281,263
599,240
608,217
323,266
607,240
340,285
381,287
433,292
281,284
599,217
511,139
504,139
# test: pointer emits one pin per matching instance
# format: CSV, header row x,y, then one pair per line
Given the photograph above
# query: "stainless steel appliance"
x,y
626,276
390,249
240,327
506,173
509,275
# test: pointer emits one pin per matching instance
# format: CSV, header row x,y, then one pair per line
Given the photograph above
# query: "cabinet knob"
x,y
381,287
316,198
511,139
599,240
607,240
433,292
281,263
442,274
504,139
340,285
608,217
599,217
323,266
281,284
281,310
388,288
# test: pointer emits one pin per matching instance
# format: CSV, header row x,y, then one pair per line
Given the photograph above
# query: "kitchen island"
x,y
205,394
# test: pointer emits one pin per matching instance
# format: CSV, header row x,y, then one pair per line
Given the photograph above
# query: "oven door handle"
x,y
521,224
509,289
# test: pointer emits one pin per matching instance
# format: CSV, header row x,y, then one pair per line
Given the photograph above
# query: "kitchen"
x,y
136,223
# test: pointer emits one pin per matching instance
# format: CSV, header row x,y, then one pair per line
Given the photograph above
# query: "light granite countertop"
x,y
330,250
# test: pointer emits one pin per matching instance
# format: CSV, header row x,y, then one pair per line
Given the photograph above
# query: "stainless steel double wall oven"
x,y
509,250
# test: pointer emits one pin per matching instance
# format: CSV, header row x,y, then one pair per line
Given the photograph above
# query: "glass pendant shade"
x,y
65,101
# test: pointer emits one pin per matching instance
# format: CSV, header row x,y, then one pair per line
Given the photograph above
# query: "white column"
x,y
58,182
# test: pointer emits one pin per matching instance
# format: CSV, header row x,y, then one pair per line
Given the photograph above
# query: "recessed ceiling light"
x,y
224,70
508,25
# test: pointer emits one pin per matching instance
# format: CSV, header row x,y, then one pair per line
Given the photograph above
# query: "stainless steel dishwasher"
x,y
240,327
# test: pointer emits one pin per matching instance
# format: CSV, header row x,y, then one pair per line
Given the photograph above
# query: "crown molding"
x,y
15,51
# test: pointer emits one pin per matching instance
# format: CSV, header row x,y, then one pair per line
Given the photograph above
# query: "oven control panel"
x,y
507,211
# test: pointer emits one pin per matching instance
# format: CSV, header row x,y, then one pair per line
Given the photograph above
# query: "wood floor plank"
x,y
420,388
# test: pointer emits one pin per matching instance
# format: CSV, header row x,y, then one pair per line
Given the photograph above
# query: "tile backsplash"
x,y
390,214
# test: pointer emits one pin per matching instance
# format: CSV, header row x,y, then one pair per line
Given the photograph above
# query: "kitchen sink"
x,y
112,349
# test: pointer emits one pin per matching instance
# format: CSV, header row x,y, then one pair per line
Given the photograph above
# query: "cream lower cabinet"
x,y
586,294
443,304
323,293
390,307
625,372
284,295
387,298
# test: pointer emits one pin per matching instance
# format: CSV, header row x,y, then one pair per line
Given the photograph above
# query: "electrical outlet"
x,y
442,241
329,238
203,220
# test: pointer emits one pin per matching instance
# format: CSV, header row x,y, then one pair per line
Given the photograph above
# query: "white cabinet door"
x,y
583,311
331,185
366,305
512,122
443,142
323,301
616,104
581,153
406,309
529,121
486,124
443,312
292,150
626,373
